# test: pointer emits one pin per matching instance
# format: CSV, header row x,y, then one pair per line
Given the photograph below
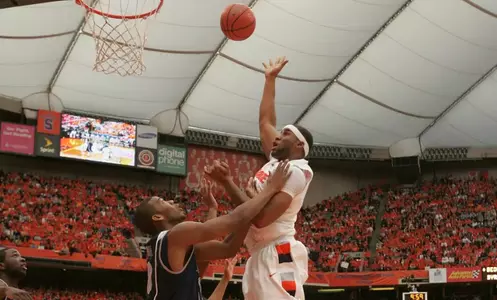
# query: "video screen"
x,y
97,140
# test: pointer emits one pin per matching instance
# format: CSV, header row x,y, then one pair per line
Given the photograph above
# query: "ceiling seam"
x,y
206,67
379,103
458,100
35,37
68,51
352,59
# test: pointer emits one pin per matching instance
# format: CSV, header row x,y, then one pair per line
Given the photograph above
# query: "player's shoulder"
x,y
302,170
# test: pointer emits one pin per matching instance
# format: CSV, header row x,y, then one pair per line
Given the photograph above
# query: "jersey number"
x,y
149,278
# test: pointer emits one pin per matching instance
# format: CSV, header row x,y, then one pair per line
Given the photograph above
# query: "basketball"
x,y
237,22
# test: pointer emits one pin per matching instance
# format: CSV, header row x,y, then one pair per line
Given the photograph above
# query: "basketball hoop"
x,y
119,28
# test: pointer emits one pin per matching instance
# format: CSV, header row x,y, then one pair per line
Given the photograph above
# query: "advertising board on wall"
x,y
146,136
48,122
463,275
17,138
171,160
47,145
146,158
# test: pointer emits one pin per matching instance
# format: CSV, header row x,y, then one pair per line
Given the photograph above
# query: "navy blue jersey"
x,y
163,283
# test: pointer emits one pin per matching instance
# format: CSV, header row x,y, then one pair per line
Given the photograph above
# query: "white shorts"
x,y
276,272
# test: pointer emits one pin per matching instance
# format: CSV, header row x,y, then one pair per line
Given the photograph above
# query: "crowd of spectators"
x,y
442,223
61,214
449,222
339,225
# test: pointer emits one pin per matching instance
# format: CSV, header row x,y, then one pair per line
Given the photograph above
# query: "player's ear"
x,y
2,266
157,218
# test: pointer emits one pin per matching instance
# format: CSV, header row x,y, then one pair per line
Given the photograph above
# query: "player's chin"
x,y
22,271
277,153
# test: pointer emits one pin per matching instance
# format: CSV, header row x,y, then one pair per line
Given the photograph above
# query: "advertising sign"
x,y
146,136
17,138
47,145
463,274
48,122
171,160
146,158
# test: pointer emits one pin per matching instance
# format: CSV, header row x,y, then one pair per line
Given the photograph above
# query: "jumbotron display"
x,y
98,140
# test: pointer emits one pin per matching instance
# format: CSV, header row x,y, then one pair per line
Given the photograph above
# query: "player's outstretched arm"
x,y
267,109
208,199
13,293
223,284
278,204
192,233
214,250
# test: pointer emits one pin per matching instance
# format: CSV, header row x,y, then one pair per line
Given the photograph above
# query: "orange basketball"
x,y
237,22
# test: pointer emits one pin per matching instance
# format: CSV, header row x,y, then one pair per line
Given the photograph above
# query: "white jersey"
x,y
296,186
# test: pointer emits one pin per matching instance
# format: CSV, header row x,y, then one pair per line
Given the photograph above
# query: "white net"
x,y
119,28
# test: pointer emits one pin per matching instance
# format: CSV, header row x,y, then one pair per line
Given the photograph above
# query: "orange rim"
x,y
124,17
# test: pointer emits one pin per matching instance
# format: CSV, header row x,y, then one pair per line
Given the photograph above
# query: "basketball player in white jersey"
x,y
277,268
13,269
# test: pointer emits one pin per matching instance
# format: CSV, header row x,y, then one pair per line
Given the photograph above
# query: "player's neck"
x,y
293,157
9,281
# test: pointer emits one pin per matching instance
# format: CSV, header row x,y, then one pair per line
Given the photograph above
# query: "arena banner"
x,y
48,122
17,138
146,137
464,274
242,165
215,271
388,278
98,262
146,158
47,145
171,160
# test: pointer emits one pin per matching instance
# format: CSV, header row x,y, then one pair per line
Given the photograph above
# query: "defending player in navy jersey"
x,y
177,246
13,269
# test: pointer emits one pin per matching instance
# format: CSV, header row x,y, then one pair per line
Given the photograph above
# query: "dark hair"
x,y
3,252
143,217
307,135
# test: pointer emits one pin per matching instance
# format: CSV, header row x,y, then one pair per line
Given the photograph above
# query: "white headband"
x,y
299,136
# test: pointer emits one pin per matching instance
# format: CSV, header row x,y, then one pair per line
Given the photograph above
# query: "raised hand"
x,y
219,171
229,266
250,188
206,193
273,69
279,177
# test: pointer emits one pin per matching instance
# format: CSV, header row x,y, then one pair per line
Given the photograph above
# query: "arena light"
x,y
382,289
331,290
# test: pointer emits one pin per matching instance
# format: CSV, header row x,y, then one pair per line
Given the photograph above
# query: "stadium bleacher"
x,y
449,222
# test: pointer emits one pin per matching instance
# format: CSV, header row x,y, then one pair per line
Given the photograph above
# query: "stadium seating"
x,y
62,214
448,222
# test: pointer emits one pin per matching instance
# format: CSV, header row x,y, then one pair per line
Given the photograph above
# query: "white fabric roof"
x,y
361,72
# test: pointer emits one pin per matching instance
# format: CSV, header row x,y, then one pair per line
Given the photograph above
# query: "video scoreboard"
x,y
415,296
489,273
